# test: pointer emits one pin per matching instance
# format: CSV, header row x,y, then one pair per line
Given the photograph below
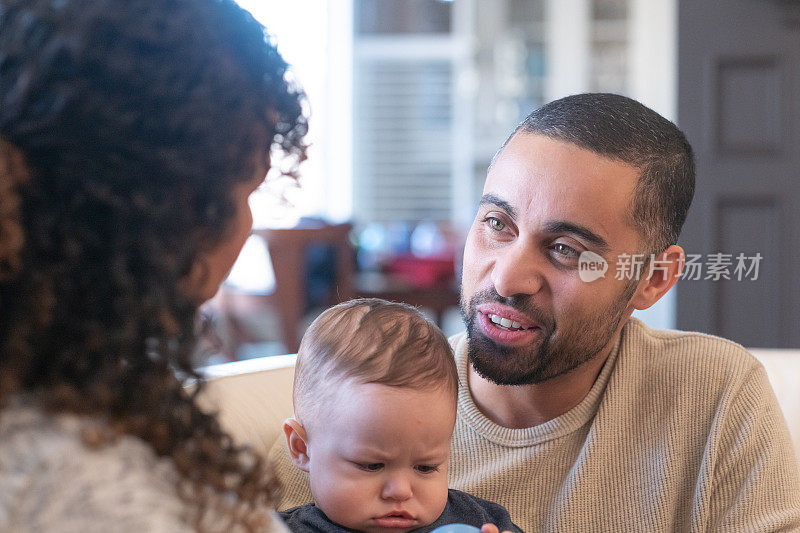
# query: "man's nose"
x,y
517,270
397,487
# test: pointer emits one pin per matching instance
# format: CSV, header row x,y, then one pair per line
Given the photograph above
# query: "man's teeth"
x,y
505,322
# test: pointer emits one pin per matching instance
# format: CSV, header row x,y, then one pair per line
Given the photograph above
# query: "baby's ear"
x,y
297,441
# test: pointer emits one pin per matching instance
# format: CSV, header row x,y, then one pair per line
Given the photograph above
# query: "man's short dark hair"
x,y
620,128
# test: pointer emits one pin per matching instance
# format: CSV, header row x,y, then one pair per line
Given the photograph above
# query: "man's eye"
x,y
495,224
426,469
370,467
564,250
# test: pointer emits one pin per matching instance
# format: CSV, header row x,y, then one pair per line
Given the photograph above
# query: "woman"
x,y
131,134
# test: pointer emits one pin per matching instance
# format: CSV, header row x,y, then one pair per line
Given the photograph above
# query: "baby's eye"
x,y
370,467
426,469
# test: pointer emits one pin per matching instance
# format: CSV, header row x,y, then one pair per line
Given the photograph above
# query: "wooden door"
x,y
739,104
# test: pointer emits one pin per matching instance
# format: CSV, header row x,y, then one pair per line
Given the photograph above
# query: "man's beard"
x,y
554,354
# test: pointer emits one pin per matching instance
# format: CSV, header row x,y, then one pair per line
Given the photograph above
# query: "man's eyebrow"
x,y
561,226
558,226
491,199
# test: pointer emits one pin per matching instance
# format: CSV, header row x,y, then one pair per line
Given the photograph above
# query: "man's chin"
x,y
503,365
498,377
500,374
532,364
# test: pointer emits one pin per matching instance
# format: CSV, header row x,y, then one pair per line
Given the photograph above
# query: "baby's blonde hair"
x,y
370,340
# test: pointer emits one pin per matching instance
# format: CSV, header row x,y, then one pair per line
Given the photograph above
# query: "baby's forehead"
x,y
362,396
350,387
388,417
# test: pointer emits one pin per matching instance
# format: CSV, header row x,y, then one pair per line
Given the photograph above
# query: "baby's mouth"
x,y
398,514
398,520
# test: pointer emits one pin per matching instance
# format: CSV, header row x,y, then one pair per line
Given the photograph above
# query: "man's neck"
x,y
525,406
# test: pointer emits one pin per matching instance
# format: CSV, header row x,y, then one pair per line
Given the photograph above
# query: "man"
x,y
573,415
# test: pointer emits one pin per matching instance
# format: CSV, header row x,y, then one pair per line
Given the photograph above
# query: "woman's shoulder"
x,y
51,479
45,443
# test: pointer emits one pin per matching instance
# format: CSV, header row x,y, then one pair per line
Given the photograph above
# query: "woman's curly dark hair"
x,y
124,127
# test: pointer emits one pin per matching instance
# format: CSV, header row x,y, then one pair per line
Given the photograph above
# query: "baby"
x,y
375,392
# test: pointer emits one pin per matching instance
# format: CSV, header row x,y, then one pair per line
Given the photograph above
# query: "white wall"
x,y
653,81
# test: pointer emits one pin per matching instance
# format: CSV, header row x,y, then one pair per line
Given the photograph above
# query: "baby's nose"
x,y
397,487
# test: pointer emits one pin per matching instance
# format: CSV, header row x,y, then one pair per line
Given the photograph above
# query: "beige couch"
x,y
254,397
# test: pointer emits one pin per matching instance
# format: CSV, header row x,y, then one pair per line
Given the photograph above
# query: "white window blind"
x,y
403,135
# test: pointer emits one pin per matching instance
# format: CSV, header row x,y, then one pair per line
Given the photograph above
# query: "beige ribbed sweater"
x,y
680,432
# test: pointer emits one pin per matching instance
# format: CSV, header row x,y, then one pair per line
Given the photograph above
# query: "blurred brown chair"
x,y
438,297
287,250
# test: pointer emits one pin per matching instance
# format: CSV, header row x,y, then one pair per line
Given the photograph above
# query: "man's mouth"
x,y
506,323
506,326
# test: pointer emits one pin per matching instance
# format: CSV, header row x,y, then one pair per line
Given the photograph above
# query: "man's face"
x,y
378,456
529,315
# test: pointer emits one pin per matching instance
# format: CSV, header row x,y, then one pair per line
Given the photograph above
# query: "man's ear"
x,y
297,440
662,273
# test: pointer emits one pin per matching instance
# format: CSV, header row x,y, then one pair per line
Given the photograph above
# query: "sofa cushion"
x,y
254,397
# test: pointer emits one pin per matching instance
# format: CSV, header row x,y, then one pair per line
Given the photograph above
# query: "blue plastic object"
x,y
456,528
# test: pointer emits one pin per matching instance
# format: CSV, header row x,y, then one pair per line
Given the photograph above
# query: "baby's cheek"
x,y
435,498
342,500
